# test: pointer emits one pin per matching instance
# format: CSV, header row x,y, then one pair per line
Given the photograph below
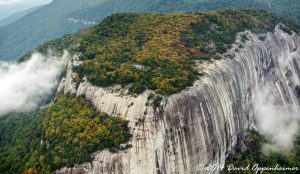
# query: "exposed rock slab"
x,y
203,123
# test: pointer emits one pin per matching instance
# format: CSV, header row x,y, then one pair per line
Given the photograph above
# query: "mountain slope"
x,y
66,16
65,133
46,23
147,52
202,124
10,7
16,16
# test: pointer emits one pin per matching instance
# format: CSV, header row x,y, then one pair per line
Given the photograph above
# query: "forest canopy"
x,y
63,134
158,51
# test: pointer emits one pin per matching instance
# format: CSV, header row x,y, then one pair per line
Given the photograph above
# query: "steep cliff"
x,y
203,123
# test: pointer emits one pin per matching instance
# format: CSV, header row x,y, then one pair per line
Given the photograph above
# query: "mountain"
x,y
164,76
160,93
16,16
66,16
9,9
45,23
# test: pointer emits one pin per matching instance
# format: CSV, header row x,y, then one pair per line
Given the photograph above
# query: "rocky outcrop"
x,y
203,123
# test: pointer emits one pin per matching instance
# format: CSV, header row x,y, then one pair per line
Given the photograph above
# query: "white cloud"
x,y
23,86
276,120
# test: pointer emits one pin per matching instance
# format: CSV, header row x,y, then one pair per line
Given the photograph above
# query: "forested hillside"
x,y
65,133
158,52
65,16
252,152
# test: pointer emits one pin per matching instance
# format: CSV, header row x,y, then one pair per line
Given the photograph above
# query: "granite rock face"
x,y
202,124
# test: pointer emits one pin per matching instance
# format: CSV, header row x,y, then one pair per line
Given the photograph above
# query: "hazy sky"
x,y
9,7
28,2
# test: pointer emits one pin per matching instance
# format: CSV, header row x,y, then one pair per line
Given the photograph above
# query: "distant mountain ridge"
x,y
12,18
68,16
10,7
